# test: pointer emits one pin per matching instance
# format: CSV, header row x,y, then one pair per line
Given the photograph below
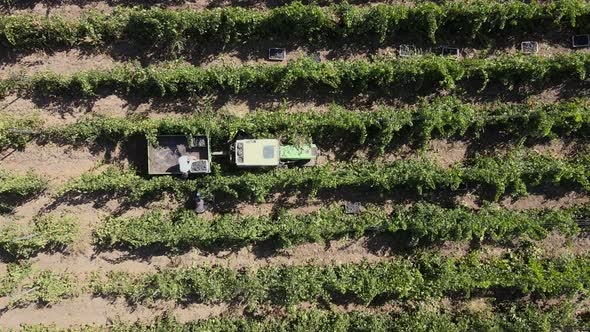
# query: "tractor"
x,y
185,155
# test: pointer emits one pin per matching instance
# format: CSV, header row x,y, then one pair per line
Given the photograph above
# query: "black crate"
x,y
580,41
277,54
450,51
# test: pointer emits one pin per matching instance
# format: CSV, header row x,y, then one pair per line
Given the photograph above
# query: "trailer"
x,y
179,154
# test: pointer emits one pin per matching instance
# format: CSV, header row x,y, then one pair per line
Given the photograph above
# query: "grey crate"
x,y
529,47
450,51
352,207
579,41
277,54
316,57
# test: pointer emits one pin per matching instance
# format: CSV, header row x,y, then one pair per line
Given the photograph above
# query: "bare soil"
x,y
57,164
251,53
334,252
75,8
88,310
62,62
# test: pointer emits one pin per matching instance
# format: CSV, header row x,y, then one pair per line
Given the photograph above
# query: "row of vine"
x,y
512,173
422,223
513,317
382,75
48,232
421,277
428,276
16,187
442,118
177,29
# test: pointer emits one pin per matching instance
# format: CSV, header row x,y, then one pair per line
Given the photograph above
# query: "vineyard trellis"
x,y
513,173
444,118
429,276
420,74
423,223
444,240
176,30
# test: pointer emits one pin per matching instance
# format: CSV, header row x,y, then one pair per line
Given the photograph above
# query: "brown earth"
x,y
62,62
75,8
334,252
75,59
88,310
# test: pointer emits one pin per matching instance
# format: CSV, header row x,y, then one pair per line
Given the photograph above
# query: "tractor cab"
x,y
271,153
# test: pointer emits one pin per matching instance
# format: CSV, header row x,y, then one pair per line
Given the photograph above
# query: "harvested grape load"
x,y
326,165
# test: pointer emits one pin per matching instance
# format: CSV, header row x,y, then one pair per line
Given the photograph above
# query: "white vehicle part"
x,y
257,152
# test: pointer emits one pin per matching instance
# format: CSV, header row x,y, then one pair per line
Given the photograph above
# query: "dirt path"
x,y
249,53
75,8
335,252
88,310
63,62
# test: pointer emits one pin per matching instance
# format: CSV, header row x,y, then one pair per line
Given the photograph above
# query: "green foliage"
x,y
420,74
22,285
441,118
48,232
429,276
15,274
174,30
519,170
512,173
21,185
421,223
10,138
516,317
50,287
15,187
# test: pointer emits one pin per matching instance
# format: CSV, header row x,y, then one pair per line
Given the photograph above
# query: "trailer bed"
x,y
163,157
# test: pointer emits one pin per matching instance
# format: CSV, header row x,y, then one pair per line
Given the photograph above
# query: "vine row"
x,y
513,173
420,74
174,30
15,187
423,223
443,118
48,232
515,317
426,277
22,285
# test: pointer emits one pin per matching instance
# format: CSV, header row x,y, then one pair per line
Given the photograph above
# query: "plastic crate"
x,y
277,54
579,41
529,47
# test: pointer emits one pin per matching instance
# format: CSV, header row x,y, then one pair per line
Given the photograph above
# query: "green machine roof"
x,y
302,152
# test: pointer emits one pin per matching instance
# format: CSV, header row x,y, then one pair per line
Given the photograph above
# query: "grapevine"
x,y
423,223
